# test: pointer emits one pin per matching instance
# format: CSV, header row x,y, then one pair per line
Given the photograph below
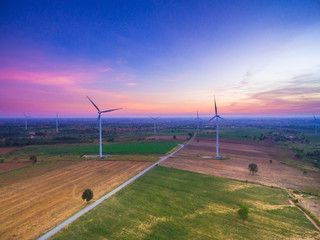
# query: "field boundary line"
x,y
100,200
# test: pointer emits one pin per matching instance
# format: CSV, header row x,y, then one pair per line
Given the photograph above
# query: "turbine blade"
x,y
110,110
213,118
215,106
93,104
98,120
222,118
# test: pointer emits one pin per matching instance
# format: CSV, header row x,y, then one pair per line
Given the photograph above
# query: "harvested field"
x,y
4,167
5,150
33,206
241,154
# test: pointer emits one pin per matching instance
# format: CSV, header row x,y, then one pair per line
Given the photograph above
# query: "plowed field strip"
x,y
33,206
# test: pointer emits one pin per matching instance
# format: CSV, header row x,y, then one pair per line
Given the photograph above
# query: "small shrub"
x,y
270,161
33,158
304,171
243,212
87,195
174,137
197,140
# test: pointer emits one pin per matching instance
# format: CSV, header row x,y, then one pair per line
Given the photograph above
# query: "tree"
x,y
253,168
174,137
87,194
33,158
243,212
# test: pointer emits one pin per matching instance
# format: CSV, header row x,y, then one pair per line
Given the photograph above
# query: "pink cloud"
x,y
41,78
105,70
130,84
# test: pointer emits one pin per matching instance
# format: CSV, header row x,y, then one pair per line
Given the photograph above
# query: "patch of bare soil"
x,y
168,138
5,150
35,205
240,155
4,167
313,204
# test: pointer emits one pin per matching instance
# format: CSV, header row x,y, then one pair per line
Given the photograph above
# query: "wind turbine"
x,y
99,120
198,122
154,125
57,124
217,128
316,126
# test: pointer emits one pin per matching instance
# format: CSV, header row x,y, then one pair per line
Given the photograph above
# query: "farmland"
x,y
284,171
112,148
186,205
51,188
49,197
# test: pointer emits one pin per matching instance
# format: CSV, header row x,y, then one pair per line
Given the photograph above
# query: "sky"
x,y
160,58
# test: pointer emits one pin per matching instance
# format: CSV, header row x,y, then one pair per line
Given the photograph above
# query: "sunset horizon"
x,y
258,58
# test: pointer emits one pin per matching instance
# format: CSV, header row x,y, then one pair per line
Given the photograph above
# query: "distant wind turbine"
x,y
99,120
316,126
154,125
198,122
217,128
57,124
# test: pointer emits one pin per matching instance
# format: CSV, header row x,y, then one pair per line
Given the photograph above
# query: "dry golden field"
x,y
32,206
239,156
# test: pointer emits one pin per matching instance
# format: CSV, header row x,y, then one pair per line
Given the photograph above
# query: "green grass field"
x,y
112,148
243,134
168,203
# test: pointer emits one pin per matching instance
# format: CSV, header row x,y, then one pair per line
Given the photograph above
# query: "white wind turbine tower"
x,y
154,125
217,128
198,122
316,126
99,120
57,124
